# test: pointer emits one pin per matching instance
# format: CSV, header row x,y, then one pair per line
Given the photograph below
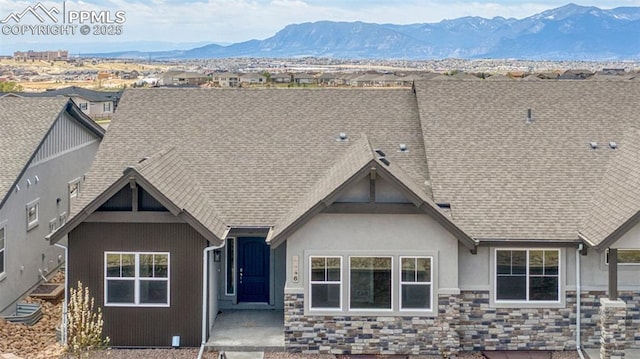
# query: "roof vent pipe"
x,y
593,144
613,145
342,136
529,116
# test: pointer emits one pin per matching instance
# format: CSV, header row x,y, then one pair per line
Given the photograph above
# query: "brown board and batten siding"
x,y
140,326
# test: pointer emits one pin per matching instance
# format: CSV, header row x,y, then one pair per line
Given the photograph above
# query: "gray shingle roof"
x,y
74,91
617,199
353,165
506,179
166,173
256,153
24,122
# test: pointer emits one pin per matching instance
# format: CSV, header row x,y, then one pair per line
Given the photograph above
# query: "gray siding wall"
x,y
140,326
27,251
65,135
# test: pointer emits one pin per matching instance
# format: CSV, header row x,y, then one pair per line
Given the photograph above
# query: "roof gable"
x,y
357,163
164,177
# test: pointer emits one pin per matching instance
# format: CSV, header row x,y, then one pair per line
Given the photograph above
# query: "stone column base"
x,y
613,315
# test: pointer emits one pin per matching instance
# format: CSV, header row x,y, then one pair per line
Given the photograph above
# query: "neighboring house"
x,y
304,79
46,146
282,78
178,78
457,215
253,79
225,79
95,104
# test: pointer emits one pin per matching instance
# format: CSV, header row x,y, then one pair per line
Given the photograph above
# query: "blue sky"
x,y
227,21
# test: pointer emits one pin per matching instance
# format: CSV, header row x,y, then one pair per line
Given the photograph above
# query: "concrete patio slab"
x,y
248,331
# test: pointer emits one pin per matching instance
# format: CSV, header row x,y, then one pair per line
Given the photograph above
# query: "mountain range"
x,y
570,32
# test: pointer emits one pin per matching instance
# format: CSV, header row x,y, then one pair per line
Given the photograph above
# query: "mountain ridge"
x,y
569,32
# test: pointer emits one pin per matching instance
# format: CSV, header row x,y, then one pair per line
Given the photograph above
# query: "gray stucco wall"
x,y
374,234
28,251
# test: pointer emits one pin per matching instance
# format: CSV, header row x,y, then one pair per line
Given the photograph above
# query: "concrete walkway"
x,y
594,353
247,331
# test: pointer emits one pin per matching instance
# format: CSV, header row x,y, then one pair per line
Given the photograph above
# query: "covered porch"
x,y
244,330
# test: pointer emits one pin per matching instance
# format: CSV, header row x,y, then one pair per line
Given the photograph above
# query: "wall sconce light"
x,y
58,200
216,255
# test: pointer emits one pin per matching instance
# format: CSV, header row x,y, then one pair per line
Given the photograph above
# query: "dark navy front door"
x,y
253,270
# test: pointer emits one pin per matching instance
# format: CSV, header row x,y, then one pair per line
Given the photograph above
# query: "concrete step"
x,y
241,355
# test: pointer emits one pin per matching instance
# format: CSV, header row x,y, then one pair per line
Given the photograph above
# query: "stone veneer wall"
x,y
465,322
485,328
352,334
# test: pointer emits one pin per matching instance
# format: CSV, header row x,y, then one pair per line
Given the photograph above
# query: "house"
x,y
178,78
396,221
253,78
46,146
95,104
281,78
225,79
303,79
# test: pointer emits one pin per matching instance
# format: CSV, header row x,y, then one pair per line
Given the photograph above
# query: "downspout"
x,y
205,281
66,294
578,300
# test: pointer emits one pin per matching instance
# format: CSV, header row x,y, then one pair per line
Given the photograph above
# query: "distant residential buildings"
x,y
41,55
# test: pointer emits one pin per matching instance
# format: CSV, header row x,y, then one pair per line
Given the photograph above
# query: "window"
x,y
231,266
626,256
3,240
325,284
136,279
83,106
415,283
53,225
74,188
32,214
106,107
370,283
527,275
63,218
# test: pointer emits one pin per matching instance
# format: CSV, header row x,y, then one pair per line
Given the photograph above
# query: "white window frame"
x,y
53,225
429,283
393,288
36,205
312,282
137,279
75,182
84,106
106,107
527,277
63,219
606,256
3,250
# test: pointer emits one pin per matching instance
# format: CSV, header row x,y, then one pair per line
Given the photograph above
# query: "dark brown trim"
x,y
133,217
613,274
376,208
130,174
512,242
